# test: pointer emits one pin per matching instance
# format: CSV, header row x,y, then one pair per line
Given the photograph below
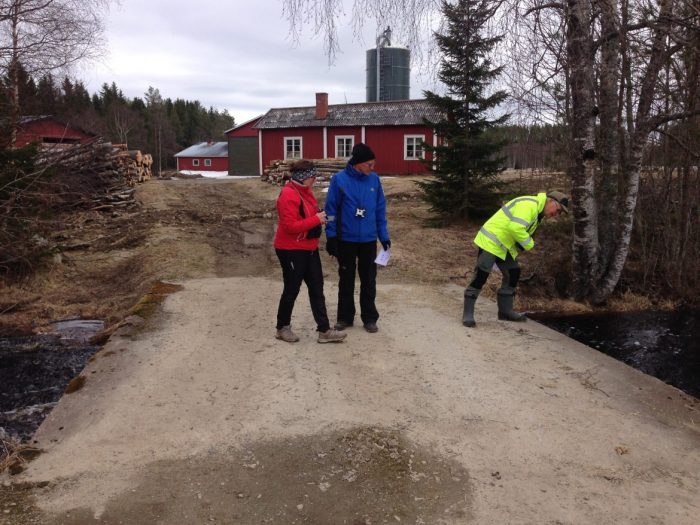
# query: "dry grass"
x,y
148,304
15,455
75,384
192,229
438,255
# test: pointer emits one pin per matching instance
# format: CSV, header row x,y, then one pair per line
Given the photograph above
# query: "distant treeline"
x,y
544,147
153,124
541,147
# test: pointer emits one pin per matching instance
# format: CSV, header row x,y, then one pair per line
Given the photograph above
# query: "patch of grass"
x,y
75,384
630,301
148,304
14,455
435,222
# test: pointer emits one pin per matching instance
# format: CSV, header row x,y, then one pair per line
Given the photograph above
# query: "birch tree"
x,y
595,66
614,55
44,36
413,23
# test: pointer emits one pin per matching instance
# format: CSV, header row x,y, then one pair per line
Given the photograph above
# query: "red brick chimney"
x,y
321,105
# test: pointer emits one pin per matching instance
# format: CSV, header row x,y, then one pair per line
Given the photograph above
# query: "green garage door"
x,y
243,156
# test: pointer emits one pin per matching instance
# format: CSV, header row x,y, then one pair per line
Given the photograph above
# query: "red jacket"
x,y
292,228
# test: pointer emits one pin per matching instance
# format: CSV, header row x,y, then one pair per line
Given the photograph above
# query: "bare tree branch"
x,y
551,5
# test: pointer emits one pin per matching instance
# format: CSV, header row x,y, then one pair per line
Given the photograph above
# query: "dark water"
x,y
35,370
665,345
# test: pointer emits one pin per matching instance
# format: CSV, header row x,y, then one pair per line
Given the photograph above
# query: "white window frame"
x,y
195,162
301,148
207,162
352,145
412,138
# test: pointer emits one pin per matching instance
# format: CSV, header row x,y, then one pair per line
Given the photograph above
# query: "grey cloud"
x,y
230,55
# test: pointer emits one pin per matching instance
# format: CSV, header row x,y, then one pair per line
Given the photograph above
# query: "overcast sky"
x,y
235,55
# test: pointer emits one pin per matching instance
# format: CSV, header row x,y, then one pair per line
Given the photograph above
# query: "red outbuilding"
x,y
243,158
45,129
205,156
395,130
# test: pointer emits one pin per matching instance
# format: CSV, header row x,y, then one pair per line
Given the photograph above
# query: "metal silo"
x,y
391,66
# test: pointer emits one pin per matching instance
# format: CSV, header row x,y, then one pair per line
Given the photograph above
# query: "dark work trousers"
x,y
298,266
510,271
360,256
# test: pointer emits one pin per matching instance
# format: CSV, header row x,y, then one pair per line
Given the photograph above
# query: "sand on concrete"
x,y
201,416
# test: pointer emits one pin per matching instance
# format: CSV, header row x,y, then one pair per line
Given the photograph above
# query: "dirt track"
x,y
201,416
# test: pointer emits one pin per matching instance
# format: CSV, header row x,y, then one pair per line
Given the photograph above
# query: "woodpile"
x,y
278,170
138,165
99,175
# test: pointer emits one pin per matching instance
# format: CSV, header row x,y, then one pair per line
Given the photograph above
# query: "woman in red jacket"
x,y
296,244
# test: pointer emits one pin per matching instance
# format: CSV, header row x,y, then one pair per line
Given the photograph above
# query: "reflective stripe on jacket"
x,y
515,222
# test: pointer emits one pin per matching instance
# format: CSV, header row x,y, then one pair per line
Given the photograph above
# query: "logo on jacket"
x,y
360,212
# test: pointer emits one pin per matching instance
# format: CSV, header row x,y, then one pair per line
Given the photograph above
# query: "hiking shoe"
x,y
342,325
285,334
372,328
331,336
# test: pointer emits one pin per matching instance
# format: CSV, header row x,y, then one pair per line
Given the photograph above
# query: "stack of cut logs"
x,y
137,164
278,170
99,175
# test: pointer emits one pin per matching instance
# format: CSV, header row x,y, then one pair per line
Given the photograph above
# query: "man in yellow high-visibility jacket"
x,y
500,239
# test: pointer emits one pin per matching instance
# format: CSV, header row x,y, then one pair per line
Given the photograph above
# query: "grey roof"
x,y
26,119
385,113
242,124
205,149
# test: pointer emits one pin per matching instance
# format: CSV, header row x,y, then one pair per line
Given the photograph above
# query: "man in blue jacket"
x,y
356,211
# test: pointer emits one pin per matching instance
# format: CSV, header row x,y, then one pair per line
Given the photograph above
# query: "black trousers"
x,y
298,266
510,270
358,256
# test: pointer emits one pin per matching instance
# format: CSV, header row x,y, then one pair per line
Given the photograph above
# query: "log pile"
x,y
137,164
98,175
278,170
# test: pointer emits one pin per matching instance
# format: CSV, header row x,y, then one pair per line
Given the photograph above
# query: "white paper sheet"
x,y
383,257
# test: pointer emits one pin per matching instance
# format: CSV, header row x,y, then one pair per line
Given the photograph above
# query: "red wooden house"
x,y
45,129
395,130
205,156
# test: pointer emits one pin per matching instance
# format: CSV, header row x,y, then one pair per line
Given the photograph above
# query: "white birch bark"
x,y
633,165
582,149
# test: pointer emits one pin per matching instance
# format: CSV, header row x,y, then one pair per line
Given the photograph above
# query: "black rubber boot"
x,y
470,295
505,308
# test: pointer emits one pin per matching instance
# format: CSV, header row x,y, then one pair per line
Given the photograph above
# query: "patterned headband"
x,y
301,176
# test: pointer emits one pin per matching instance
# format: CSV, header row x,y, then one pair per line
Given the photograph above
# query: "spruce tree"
x,y
467,161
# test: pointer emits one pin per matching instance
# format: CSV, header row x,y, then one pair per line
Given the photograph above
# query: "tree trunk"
x,y
691,129
608,152
582,149
633,165
14,78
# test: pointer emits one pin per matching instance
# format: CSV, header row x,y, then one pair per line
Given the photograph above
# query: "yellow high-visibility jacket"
x,y
515,222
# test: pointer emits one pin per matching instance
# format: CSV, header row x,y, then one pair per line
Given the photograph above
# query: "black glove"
x,y
332,246
386,244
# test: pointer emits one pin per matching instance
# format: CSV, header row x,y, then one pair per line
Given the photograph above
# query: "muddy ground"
x,y
194,413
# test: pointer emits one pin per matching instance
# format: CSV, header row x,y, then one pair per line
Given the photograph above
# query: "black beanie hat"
x,y
361,153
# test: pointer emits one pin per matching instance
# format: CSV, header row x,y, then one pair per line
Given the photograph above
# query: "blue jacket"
x,y
357,192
